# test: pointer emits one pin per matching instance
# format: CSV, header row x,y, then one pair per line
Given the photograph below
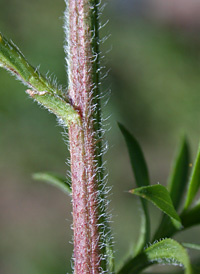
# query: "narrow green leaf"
x,y
53,179
179,175
191,217
176,186
170,272
12,59
144,236
194,182
167,252
136,155
140,172
191,246
159,196
41,89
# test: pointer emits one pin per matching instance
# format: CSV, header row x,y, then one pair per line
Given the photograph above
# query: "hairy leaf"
x,y
12,59
167,252
57,105
41,89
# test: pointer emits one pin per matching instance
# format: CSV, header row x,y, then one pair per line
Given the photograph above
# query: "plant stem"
x,y
83,137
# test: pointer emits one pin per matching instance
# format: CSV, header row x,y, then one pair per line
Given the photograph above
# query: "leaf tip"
x,y
121,127
118,123
36,176
131,191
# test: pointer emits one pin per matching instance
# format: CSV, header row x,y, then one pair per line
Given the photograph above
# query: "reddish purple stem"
x,y
82,141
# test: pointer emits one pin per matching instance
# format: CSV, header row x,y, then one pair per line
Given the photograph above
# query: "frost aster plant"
x,y
79,110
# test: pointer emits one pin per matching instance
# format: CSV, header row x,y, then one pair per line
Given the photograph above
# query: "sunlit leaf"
x,y
167,252
140,172
159,196
53,179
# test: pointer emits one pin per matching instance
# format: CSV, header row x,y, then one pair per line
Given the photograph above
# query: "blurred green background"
x,y
153,55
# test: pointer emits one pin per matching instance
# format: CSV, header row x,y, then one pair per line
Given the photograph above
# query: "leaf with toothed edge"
x,y
40,88
140,171
54,180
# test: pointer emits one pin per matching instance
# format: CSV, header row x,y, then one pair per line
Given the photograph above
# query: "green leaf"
x,y
53,179
57,105
191,217
192,246
138,162
176,186
140,171
159,196
144,236
194,182
167,252
179,175
41,89
12,59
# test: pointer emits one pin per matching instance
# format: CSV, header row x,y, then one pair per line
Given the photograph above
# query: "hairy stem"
x,y
83,138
